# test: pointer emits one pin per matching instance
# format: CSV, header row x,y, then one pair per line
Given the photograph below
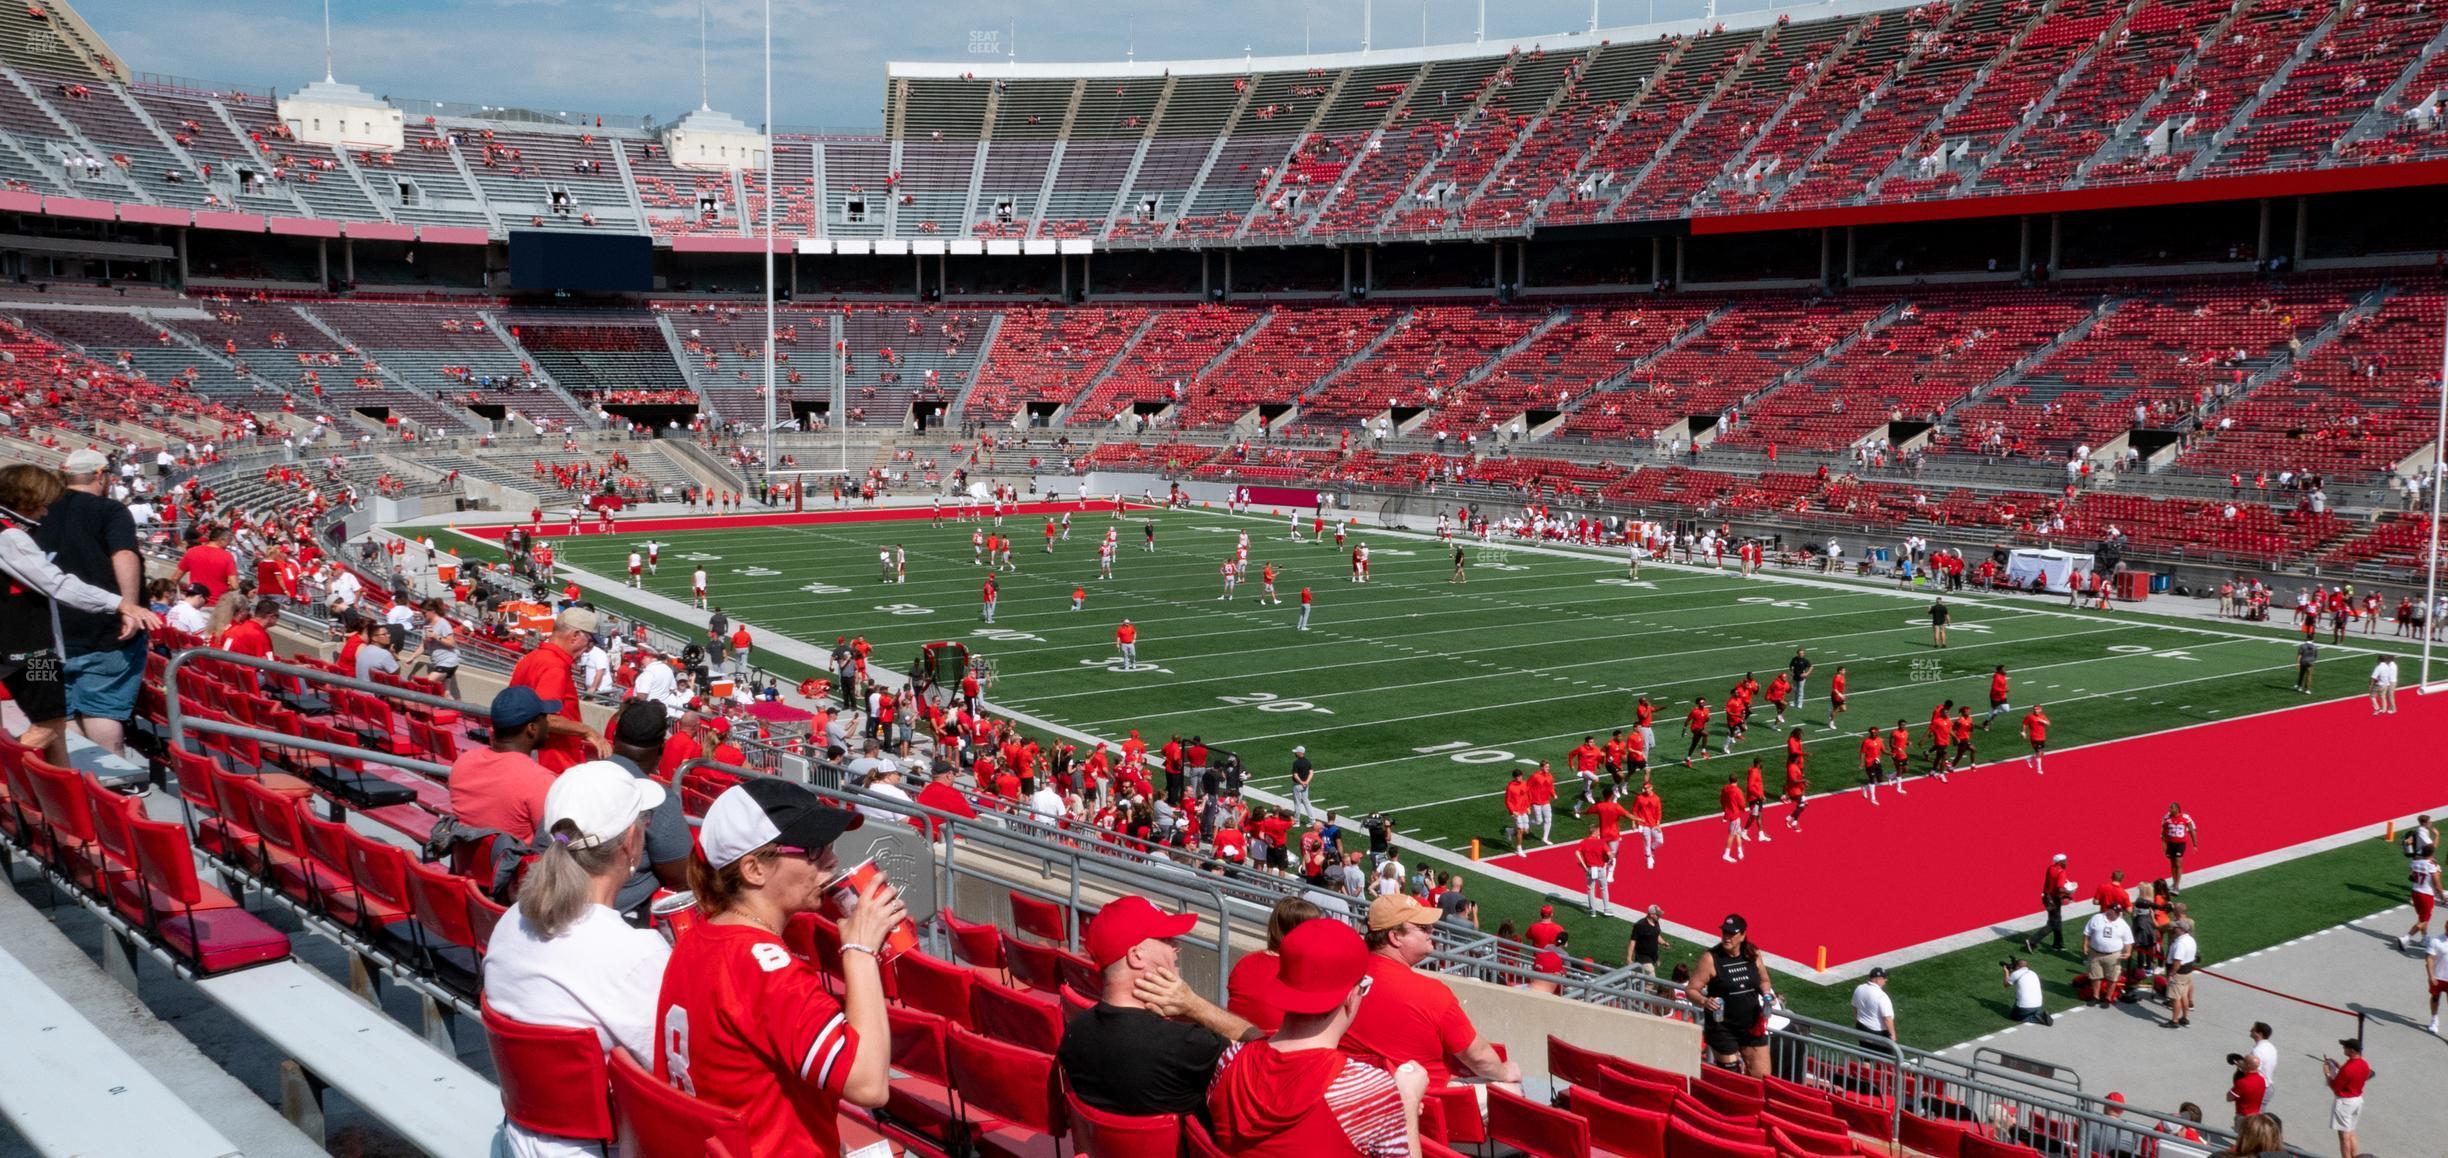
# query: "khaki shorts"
x,y
2344,1113
2100,966
2180,987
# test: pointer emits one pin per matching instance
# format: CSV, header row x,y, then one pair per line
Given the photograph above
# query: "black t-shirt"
x,y
1801,667
1130,1061
1301,769
1940,613
1645,940
82,531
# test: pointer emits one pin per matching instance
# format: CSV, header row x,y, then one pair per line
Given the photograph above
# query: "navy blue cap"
x,y
516,707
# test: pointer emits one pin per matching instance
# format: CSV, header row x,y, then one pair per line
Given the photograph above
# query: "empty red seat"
x,y
1978,1145
199,925
1616,1128
1685,1140
1096,1133
1016,1016
934,986
1540,1131
554,1079
661,1122
1930,1136
1048,921
1018,1087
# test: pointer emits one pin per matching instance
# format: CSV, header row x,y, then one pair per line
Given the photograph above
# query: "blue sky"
x,y
639,57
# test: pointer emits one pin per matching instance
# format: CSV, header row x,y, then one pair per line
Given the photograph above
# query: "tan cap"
x,y
578,619
85,461
1386,912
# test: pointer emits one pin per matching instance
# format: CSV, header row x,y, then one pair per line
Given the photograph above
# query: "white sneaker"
x,y
1649,862
1764,838
1899,788
1729,858
2434,1026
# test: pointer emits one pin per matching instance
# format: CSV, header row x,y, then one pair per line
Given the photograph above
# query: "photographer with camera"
x,y
2028,1008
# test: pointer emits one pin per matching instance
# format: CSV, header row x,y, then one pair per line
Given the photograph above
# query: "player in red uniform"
x,y
1836,696
1542,802
1644,714
741,1023
2035,729
1755,801
1649,819
1997,697
1965,753
1941,734
1872,748
1597,857
2178,835
1899,754
1730,805
1697,721
1797,784
1517,806
1779,689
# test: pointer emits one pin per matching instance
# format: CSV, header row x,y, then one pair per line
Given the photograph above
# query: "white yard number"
x,y
1113,663
904,609
1004,634
1620,581
1269,702
1463,753
1502,567
2155,653
1968,628
1770,601
824,589
701,557
755,572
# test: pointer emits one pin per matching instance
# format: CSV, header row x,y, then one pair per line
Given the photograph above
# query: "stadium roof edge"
x,y
1006,69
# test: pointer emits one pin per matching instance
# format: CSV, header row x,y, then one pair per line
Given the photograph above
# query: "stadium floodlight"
x,y
2431,554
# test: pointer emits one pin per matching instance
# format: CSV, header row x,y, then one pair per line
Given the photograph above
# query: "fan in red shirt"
x,y
1545,933
2035,729
743,1024
1696,722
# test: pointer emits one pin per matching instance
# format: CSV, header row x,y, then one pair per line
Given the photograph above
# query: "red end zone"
x,y
555,528
1863,880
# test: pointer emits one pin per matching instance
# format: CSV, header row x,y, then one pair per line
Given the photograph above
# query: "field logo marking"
x,y
904,609
1270,702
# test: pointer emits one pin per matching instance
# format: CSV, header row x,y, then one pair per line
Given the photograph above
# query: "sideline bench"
x,y
69,1089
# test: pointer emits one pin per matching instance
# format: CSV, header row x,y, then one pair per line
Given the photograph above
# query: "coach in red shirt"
x,y
547,671
1411,1016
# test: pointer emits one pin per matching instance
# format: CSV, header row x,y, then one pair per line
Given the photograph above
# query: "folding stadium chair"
x,y
1016,1016
326,844
1791,1140
975,945
1573,1065
201,926
1684,1140
934,986
1036,966
1618,1129
447,941
1635,1092
1930,1136
1048,921
67,819
1536,1130
1018,1087
662,1122
1098,1134
114,846
1726,1100
554,1079
385,912
1977,1145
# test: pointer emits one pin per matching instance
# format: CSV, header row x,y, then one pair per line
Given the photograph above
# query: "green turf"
x,y
1418,697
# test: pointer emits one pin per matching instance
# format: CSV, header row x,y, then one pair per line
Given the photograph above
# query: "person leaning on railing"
x,y
30,648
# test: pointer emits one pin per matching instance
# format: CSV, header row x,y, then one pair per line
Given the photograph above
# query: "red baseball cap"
x,y
1122,924
1322,961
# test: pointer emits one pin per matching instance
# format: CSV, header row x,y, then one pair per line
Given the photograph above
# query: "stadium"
x,y
1816,581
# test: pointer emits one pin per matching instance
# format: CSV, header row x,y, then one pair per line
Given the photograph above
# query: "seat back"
x,y
111,812
1015,1084
661,1122
1571,1064
1455,1110
935,986
1540,1131
439,901
1096,1133
1036,966
1930,1136
1981,1146
165,863
483,916
1047,921
1017,1016
1725,1100
1684,1140
1078,973
1617,1128
1794,1140
980,946
380,870
553,1078
1636,1092
60,794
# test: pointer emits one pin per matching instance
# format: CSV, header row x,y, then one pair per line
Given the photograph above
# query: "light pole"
x,y
2431,558
768,234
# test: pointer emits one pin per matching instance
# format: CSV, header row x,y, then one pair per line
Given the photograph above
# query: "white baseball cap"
x,y
600,800
766,810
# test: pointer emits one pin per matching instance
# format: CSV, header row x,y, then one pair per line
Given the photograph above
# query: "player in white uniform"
x,y
1066,526
1295,524
1444,526
1364,563
1232,578
884,571
1105,560
654,555
977,547
697,586
637,563
935,512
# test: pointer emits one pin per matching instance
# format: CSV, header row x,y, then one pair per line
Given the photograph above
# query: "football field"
x,y
1417,696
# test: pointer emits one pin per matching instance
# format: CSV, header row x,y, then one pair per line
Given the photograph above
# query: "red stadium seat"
x,y
1618,1129
1930,1136
1048,921
1636,1093
1536,1130
1098,1134
927,984
554,1079
1018,1087
1978,1145
662,1122
1016,1016
1728,1101
976,945
1035,966
198,925
1685,1140
1572,1064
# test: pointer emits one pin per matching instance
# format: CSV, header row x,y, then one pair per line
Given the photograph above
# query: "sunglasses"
x,y
821,858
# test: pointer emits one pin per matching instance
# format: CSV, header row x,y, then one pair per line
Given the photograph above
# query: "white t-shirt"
x,y
344,589
2026,988
2267,1051
890,792
2424,872
599,974
189,618
2106,934
2384,673
2183,950
595,670
2437,950
1047,804
1872,1007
